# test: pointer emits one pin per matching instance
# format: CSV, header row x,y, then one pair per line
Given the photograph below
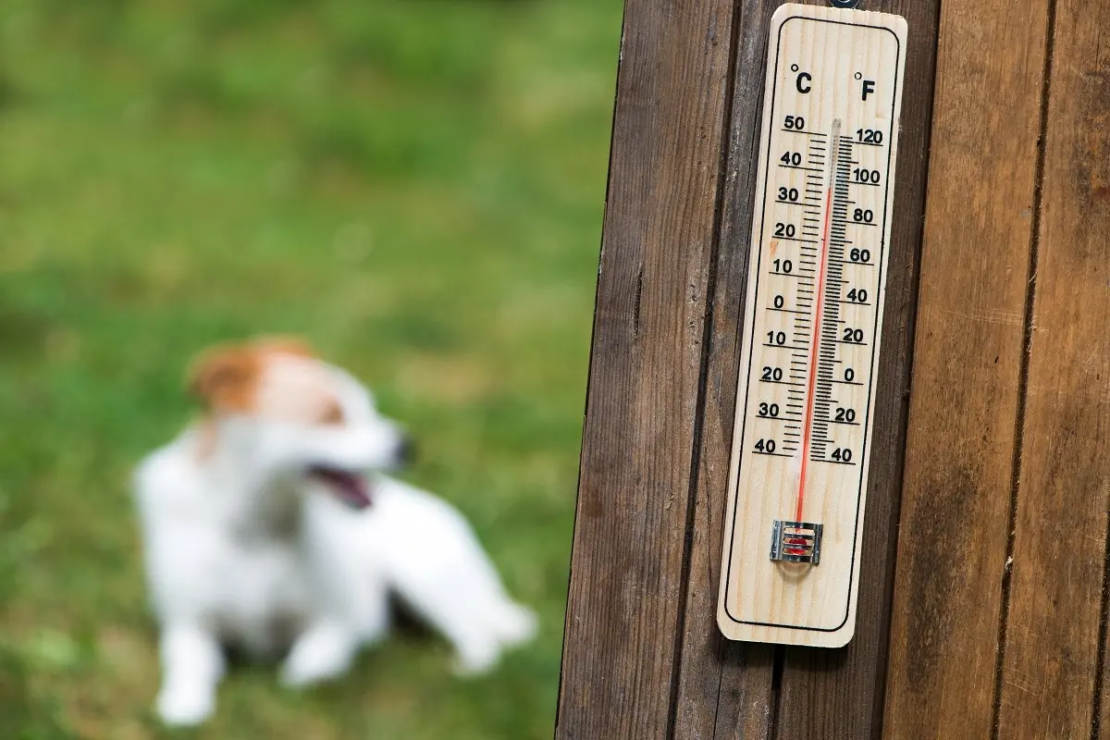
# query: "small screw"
x,y
844,3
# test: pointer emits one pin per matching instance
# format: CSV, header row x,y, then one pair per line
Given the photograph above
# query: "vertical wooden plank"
x,y
966,370
725,689
623,612
1097,79
839,694
1052,646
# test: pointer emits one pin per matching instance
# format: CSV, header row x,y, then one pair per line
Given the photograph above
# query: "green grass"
x,y
416,186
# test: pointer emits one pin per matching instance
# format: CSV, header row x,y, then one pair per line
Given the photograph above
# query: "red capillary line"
x,y
816,344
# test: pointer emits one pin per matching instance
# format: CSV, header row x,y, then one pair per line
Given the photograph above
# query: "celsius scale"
x,y
810,344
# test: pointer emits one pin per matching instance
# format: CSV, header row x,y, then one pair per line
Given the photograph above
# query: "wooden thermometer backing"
x,y
814,313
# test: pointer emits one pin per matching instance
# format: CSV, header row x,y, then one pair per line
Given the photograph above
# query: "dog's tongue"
x,y
351,489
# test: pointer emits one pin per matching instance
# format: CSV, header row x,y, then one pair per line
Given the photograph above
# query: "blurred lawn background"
x,y
416,186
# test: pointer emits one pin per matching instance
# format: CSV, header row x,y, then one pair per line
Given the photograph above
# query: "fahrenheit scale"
x,y
810,357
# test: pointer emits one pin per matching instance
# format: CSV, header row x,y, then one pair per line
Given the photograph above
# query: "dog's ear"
x,y
224,378
283,345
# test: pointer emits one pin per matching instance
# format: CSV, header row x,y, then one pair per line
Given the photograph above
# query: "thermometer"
x,y
810,343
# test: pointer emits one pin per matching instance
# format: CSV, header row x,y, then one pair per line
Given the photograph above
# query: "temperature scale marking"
x,y
810,350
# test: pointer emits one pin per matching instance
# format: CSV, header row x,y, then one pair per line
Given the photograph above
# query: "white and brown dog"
x,y
269,526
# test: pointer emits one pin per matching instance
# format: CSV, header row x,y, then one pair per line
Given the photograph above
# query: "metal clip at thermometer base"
x,y
796,542
812,324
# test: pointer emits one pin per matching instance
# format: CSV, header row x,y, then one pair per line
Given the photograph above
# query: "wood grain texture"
x,y
725,688
840,695
1096,81
966,371
643,658
1052,646
623,612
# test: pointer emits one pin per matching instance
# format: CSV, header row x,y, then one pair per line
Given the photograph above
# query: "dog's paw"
x,y
309,670
184,708
476,659
319,655
517,625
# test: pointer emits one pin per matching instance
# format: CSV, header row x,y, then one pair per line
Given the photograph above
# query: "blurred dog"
x,y
268,526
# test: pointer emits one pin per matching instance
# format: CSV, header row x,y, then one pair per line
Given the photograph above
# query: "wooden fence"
x,y
983,596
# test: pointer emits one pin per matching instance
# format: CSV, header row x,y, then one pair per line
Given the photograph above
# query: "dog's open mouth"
x,y
351,488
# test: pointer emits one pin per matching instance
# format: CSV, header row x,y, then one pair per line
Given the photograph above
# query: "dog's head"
x,y
287,413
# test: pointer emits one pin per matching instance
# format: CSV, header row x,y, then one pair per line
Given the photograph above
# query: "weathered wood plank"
x,y
724,688
1098,78
623,612
840,695
1052,644
966,370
